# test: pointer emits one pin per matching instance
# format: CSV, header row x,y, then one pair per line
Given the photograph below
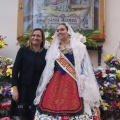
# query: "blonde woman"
x,y
27,69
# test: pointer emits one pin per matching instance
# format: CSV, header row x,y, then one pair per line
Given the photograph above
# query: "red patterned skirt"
x,y
61,96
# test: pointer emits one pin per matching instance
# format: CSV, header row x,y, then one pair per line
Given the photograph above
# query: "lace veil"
x,y
87,85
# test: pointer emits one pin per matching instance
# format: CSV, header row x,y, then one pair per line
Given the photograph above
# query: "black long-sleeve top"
x,y
28,67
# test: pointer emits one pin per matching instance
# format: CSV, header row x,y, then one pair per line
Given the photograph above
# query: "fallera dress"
x,y
60,100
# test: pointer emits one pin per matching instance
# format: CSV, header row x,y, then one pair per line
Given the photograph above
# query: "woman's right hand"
x,y
15,94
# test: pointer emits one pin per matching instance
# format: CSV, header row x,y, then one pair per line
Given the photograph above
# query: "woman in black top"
x,y
27,70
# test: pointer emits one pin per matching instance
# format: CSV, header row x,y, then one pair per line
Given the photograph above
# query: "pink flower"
x,y
111,86
113,103
109,91
3,71
5,118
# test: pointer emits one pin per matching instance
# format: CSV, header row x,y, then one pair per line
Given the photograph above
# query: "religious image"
x,y
49,13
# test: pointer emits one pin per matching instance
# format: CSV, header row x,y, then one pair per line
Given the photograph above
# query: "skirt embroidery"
x,y
39,116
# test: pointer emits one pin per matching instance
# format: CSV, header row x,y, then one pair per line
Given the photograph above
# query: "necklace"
x,y
36,50
63,46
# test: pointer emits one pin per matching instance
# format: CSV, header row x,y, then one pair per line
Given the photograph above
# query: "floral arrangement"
x,y
5,85
109,85
2,44
49,34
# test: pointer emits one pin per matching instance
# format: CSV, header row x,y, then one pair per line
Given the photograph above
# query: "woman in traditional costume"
x,y
67,89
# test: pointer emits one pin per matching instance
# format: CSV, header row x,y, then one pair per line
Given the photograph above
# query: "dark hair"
x,y
64,25
43,37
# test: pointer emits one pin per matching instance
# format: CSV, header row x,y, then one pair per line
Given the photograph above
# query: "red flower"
x,y
95,118
100,75
3,89
3,71
0,106
103,80
6,106
107,71
65,118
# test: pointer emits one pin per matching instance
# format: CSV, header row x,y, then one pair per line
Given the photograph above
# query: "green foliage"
x,y
91,42
87,34
51,32
23,40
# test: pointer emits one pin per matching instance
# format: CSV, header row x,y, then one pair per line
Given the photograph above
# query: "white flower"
x,y
104,108
80,37
118,92
100,68
8,61
9,66
104,75
2,62
83,39
119,83
113,69
112,75
47,44
106,84
1,90
101,93
46,34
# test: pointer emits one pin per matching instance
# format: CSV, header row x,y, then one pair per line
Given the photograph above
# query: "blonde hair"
x,y
43,38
